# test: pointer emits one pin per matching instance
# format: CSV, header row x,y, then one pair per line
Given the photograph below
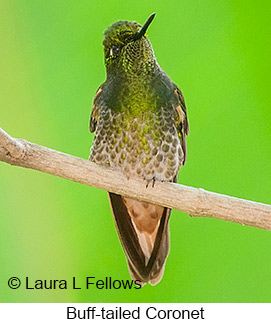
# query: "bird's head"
x,y
127,48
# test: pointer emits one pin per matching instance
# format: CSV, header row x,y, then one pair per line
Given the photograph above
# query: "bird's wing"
x,y
181,121
95,110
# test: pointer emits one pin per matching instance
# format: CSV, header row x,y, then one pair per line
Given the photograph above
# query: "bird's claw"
x,y
151,180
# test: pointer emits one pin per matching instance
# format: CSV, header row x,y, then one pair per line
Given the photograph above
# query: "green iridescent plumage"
x,y
140,121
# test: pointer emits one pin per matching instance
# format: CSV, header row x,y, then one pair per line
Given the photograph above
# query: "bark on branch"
x,y
194,201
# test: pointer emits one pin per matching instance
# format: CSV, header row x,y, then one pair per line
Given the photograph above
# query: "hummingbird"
x,y
140,123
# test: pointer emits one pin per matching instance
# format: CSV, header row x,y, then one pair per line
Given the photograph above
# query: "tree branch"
x,y
194,201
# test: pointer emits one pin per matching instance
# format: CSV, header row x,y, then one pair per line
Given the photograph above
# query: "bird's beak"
x,y
141,32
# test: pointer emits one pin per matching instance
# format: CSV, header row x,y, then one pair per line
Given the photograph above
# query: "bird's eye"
x,y
114,50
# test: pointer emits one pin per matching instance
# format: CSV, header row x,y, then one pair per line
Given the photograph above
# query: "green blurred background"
x,y
51,64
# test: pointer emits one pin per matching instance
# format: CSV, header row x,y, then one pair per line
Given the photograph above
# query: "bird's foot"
x,y
151,180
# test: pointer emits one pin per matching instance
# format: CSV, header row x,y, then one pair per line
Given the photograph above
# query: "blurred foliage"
x,y
51,64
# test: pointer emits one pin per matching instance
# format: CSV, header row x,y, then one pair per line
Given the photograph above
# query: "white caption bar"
x,y
152,312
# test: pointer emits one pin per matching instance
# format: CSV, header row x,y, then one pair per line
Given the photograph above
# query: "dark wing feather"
x,y
95,110
181,120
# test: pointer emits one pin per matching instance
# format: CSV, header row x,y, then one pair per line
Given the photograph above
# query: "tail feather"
x,y
144,234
